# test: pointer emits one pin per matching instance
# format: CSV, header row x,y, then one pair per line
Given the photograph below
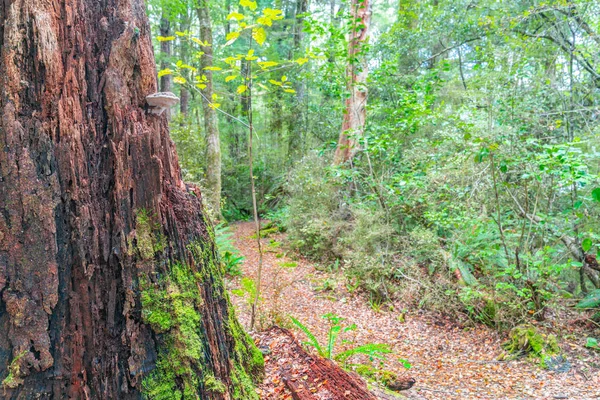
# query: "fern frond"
x,y
374,350
312,339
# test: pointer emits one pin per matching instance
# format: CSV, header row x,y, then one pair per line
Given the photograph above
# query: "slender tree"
x,y
211,122
356,76
108,281
166,51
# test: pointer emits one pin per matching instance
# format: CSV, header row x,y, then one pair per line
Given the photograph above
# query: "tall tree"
x,y
108,281
211,122
165,49
356,77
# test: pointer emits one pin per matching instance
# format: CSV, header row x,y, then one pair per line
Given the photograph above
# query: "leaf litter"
x,y
447,360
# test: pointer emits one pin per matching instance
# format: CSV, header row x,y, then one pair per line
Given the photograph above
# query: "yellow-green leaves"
x,y
165,38
259,35
230,78
235,15
250,56
213,103
283,83
180,79
301,60
212,68
241,89
232,37
273,13
200,42
267,64
164,72
269,15
248,4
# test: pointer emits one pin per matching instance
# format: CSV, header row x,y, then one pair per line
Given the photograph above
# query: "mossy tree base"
x,y
108,284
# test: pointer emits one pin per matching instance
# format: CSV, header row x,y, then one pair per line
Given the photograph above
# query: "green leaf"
x,y
592,300
312,339
592,343
230,78
179,79
241,89
165,38
596,194
586,245
375,350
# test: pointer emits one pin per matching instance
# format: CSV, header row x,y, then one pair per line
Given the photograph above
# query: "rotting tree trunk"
x,y
211,122
108,276
356,75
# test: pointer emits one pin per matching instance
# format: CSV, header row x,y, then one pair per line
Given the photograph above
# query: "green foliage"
x,y
592,343
477,166
172,306
592,300
14,379
527,341
247,290
372,350
228,253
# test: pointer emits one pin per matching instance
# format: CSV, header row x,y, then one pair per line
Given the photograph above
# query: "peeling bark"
x,y
79,159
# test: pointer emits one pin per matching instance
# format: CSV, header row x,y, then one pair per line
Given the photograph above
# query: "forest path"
x,y
448,362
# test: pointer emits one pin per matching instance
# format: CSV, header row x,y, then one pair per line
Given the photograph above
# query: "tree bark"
x,y
356,74
108,272
211,121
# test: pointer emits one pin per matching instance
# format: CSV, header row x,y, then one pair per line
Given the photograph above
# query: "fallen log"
x,y
307,376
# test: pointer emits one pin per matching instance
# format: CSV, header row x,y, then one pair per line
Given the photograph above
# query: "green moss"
x,y
527,341
13,379
149,239
212,384
172,307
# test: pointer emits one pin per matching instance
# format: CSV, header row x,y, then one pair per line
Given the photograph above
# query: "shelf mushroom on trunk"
x,y
161,101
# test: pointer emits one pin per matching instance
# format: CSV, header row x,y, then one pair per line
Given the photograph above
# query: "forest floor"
x,y
449,361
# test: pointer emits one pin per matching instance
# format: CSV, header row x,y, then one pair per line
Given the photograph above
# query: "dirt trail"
x,y
448,362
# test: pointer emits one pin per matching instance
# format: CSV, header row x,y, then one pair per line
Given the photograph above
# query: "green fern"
x,y
312,339
373,350
228,253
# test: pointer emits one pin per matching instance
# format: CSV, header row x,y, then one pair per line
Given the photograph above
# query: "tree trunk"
x,y
184,94
296,130
356,74
211,122
109,284
165,49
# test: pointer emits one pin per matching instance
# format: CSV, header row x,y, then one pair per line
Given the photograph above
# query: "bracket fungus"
x,y
161,101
